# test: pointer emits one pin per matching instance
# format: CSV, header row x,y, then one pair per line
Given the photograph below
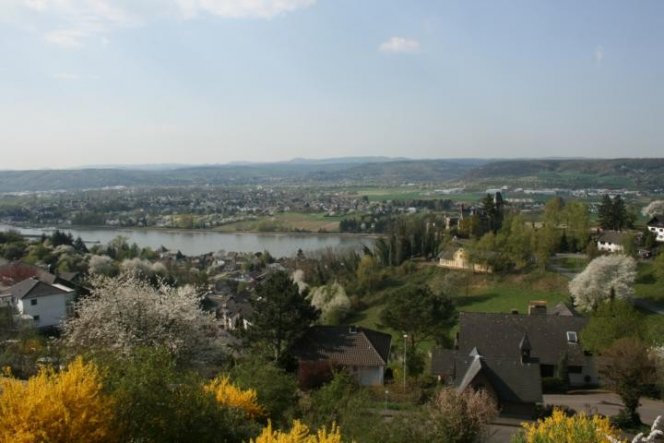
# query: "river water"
x,y
201,242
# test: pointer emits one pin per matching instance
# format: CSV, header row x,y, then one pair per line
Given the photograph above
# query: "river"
x,y
201,242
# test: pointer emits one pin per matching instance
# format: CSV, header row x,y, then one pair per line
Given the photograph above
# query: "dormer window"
x,y
572,337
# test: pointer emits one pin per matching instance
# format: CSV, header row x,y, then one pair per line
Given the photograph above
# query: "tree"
x,y
57,406
613,213
332,301
609,322
577,220
560,428
629,370
419,312
461,417
655,207
276,390
554,212
606,277
368,273
125,313
157,402
281,315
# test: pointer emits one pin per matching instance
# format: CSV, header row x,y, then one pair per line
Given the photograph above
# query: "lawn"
x,y
285,222
647,285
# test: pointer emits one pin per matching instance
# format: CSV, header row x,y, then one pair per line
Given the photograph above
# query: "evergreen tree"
x,y
281,315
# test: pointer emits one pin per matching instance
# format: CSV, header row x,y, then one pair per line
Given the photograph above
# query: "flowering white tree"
x,y
125,313
604,277
101,265
655,207
331,300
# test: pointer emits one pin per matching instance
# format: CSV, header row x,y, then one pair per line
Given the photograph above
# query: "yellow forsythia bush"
x,y
231,396
559,428
299,433
68,406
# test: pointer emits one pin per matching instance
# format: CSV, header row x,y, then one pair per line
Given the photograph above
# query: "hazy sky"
x,y
211,81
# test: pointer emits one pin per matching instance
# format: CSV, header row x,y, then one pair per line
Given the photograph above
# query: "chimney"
x,y
537,307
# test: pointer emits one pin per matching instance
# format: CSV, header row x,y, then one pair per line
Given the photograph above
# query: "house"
x,y
552,340
233,310
47,303
514,384
611,241
361,351
656,226
459,259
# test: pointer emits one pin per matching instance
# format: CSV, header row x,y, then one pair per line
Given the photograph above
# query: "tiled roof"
x,y
32,287
614,237
499,335
657,222
345,345
513,381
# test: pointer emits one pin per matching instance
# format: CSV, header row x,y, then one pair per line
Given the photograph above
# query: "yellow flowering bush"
x,y
231,396
559,428
54,406
299,433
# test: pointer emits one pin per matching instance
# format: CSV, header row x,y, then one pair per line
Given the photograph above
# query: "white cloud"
x,y
400,45
70,23
599,54
241,8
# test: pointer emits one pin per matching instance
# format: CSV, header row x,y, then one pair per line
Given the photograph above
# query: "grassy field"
x,y
285,222
477,293
647,285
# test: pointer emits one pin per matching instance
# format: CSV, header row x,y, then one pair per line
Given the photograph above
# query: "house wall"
x,y
587,376
610,247
460,261
51,309
658,231
370,375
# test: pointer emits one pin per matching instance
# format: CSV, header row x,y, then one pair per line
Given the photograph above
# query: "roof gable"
x,y
32,287
344,345
499,335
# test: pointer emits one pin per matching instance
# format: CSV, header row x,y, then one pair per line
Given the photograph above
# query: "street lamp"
x,y
405,348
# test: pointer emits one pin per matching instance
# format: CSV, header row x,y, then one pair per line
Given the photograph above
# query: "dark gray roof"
x,y
499,335
657,222
32,287
345,345
513,381
614,237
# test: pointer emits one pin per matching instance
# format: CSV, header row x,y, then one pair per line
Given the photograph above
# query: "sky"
x,y
99,82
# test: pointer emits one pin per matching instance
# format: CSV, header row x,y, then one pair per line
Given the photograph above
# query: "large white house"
x,y
47,303
656,226
611,241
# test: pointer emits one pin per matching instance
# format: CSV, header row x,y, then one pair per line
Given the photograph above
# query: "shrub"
x,y
560,428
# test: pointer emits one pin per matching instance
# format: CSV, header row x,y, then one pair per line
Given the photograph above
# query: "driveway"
x,y
605,403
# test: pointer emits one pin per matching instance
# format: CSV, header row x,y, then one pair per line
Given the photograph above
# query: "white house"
x,y
610,241
48,304
656,226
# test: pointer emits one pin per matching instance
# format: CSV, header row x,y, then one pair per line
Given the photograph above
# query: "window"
x,y
33,302
36,318
571,337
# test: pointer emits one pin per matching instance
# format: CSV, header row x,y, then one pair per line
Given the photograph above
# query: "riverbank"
x,y
202,241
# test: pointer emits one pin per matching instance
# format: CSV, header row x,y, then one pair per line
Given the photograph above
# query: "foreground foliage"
x,y
231,396
560,428
57,407
299,433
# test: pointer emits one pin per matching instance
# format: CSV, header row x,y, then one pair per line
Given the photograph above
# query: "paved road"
x,y
605,403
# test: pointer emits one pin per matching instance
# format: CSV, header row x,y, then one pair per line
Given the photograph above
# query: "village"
x,y
402,322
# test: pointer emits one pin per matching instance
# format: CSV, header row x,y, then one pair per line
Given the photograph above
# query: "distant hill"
x,y
326,172
646,173
381,171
